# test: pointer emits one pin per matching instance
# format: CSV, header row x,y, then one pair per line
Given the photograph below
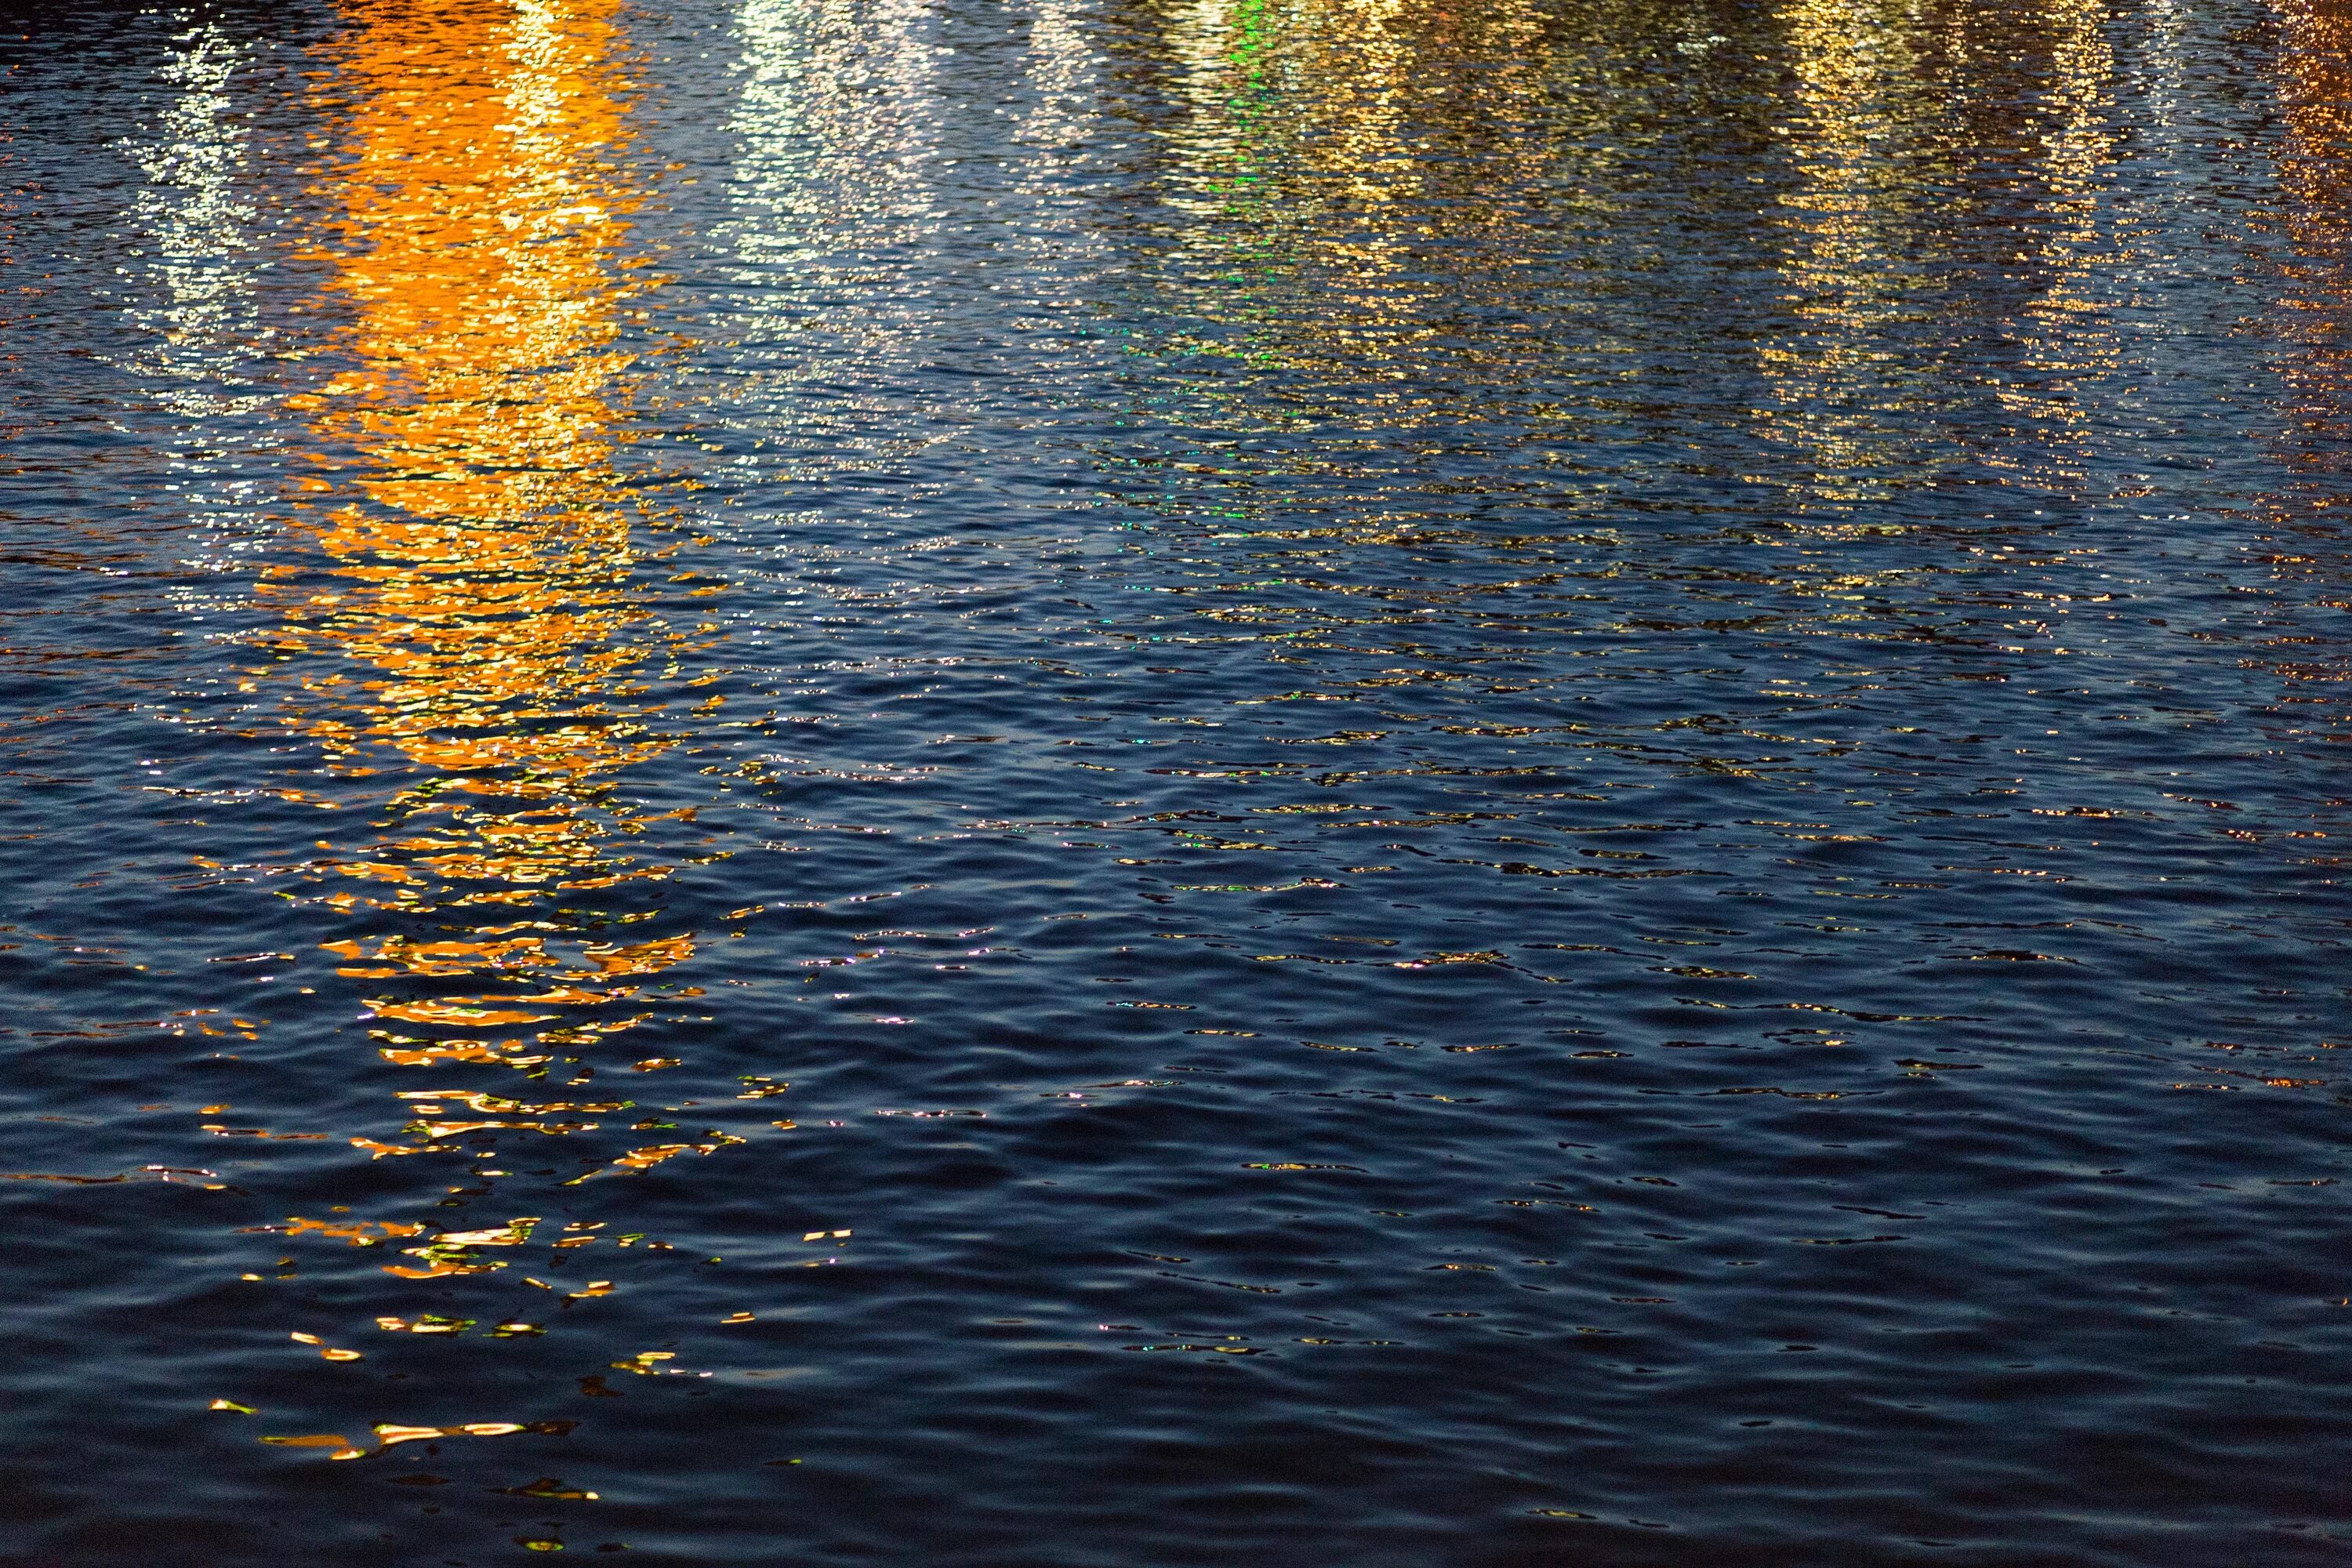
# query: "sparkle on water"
x,y
1119,782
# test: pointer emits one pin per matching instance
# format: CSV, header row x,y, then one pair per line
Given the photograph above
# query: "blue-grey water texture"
x,y
1130,783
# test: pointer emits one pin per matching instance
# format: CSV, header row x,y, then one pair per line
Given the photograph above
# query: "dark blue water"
x,y
1098,783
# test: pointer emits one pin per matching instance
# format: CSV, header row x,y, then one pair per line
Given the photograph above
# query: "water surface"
x,y
1245,782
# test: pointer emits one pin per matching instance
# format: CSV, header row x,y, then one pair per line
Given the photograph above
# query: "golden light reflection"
x,y
469,626
469,629
484,575
2067,332
1896,109
2316,178
477,537
2306,510
1327,236
1865,132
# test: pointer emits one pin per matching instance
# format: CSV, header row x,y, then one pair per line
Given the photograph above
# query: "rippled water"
x,y
1266,782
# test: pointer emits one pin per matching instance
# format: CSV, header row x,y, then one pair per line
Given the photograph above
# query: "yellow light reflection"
x,y
2067,332
469,626
1865,132
1328,236
475,606
2316,177
2306,510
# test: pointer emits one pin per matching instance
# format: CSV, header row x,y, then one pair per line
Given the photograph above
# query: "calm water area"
x,y
1136,783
